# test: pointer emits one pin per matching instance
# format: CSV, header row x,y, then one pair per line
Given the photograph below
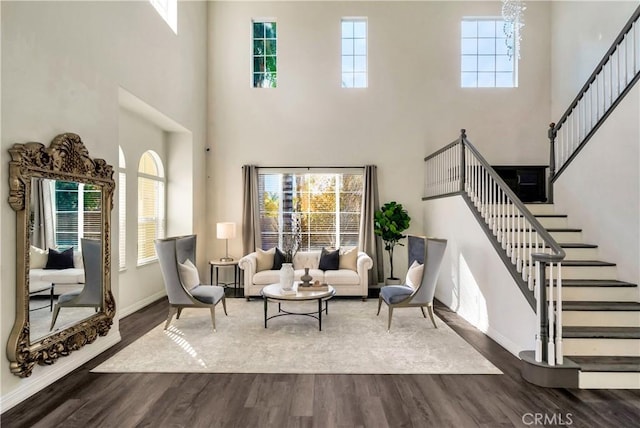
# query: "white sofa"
x,y
346,281
54,281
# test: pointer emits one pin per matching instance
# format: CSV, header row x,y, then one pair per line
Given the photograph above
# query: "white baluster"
x,y
559,348
551,352
538,351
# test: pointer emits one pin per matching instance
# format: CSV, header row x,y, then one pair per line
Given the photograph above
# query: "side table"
x,y
217,264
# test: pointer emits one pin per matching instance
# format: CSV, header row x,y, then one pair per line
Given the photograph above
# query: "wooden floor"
x,y
84,399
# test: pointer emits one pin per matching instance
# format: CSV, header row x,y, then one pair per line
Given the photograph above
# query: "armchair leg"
x,y
213,317
56,309
224,305
172,311
422,309
390,316
430,308
379,304
179,313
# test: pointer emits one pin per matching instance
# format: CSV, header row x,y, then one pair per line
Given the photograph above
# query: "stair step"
x,y
607,363
562,235
595,283
541,208
601,306
601,332
608,380
593,290
601,346
587,269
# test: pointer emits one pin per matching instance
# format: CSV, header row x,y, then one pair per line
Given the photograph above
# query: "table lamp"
x,y
226,231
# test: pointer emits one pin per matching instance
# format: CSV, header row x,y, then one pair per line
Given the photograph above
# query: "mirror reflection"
x,y
65,263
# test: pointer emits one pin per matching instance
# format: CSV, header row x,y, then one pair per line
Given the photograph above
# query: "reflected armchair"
x,y
185,292
404,296
89,296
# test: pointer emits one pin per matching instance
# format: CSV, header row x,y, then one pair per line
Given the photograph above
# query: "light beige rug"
x,y
353,340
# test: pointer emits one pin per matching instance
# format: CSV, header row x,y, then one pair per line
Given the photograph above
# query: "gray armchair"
x,y
89,296
420,249
172,251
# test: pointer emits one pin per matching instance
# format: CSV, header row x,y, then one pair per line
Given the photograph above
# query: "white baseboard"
x,y
44,376
140,304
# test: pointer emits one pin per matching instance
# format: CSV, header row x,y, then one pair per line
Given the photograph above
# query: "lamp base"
x,y
226,259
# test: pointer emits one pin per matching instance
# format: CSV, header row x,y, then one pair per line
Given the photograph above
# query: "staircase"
x,y
600,314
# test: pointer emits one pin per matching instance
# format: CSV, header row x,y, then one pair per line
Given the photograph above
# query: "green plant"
x,y
389,223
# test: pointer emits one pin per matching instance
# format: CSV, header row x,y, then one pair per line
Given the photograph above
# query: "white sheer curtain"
x,y
42,213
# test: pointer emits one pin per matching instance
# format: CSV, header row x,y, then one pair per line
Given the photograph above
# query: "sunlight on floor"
x,y
178,337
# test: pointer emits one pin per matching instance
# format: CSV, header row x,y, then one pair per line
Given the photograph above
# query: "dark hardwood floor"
x,y
84,399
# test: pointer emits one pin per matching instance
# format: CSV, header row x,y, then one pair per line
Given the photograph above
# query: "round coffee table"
x,y
274,293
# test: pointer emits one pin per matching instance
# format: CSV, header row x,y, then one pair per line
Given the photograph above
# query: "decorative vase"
x,y
306,278
286,276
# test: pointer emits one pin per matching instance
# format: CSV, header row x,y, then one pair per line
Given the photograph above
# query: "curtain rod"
x,y
311,167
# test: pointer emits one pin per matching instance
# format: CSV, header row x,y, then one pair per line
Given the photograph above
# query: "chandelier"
x,y
513,15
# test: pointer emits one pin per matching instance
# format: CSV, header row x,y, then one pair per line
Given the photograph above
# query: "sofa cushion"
x,y
60,259
264,259
329,260
414,275
188,274
78,263
306,259
62,276
341,277
349,258
278,259
266,277
37,258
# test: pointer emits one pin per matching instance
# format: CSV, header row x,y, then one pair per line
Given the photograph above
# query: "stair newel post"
x,y
559,348
551,350
541,311
463,163
552,133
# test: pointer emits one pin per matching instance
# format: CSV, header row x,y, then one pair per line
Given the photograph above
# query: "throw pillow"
x,y
414,275
329,260
60,259
349,258
37,258
188,274
278,259
264,259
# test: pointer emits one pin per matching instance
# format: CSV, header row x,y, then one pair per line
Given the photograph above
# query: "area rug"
x,y
353,340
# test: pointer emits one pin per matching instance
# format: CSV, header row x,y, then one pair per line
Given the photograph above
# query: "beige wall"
x,y
413,106
62,66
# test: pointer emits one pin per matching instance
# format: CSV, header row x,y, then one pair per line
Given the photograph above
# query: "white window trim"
x,y
366,21
251,70
160,178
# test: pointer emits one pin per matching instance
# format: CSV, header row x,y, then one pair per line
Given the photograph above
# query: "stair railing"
x,y
612,79
459,169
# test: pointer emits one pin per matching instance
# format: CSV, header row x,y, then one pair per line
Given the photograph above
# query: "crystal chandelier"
x,y
513,15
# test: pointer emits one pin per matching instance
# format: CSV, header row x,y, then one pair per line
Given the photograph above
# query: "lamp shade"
x,y
226,230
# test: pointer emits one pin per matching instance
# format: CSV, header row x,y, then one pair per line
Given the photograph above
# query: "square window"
x,y
485,60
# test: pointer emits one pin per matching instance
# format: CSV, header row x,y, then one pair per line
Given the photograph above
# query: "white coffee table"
x,y
274,293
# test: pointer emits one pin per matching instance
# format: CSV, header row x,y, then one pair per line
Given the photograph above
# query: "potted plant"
x,y
389,223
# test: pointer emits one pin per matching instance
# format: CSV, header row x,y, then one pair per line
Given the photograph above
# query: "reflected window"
x,y
78,212
122,214
151,205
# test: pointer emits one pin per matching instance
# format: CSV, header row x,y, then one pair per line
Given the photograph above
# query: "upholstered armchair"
x,y
91,294
177,257
419,290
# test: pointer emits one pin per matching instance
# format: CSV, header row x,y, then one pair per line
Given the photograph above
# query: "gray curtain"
x,y
250,210
42,231
369,242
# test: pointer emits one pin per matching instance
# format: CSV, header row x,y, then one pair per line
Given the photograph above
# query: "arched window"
x,y
151,210
122,214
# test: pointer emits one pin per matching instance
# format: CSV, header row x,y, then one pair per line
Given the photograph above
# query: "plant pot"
x,y
391,281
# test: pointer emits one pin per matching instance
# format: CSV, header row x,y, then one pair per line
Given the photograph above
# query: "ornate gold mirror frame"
x,y
66,159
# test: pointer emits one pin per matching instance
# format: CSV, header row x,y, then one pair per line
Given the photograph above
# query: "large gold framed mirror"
x,y
63,200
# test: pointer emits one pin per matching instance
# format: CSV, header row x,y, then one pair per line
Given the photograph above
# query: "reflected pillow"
x,y
60,259
37,258
264,259
349,258
414,275
329,260
188,274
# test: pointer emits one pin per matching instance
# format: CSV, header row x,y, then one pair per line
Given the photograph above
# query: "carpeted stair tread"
x,y
595,283
600,306
607,364
601,332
